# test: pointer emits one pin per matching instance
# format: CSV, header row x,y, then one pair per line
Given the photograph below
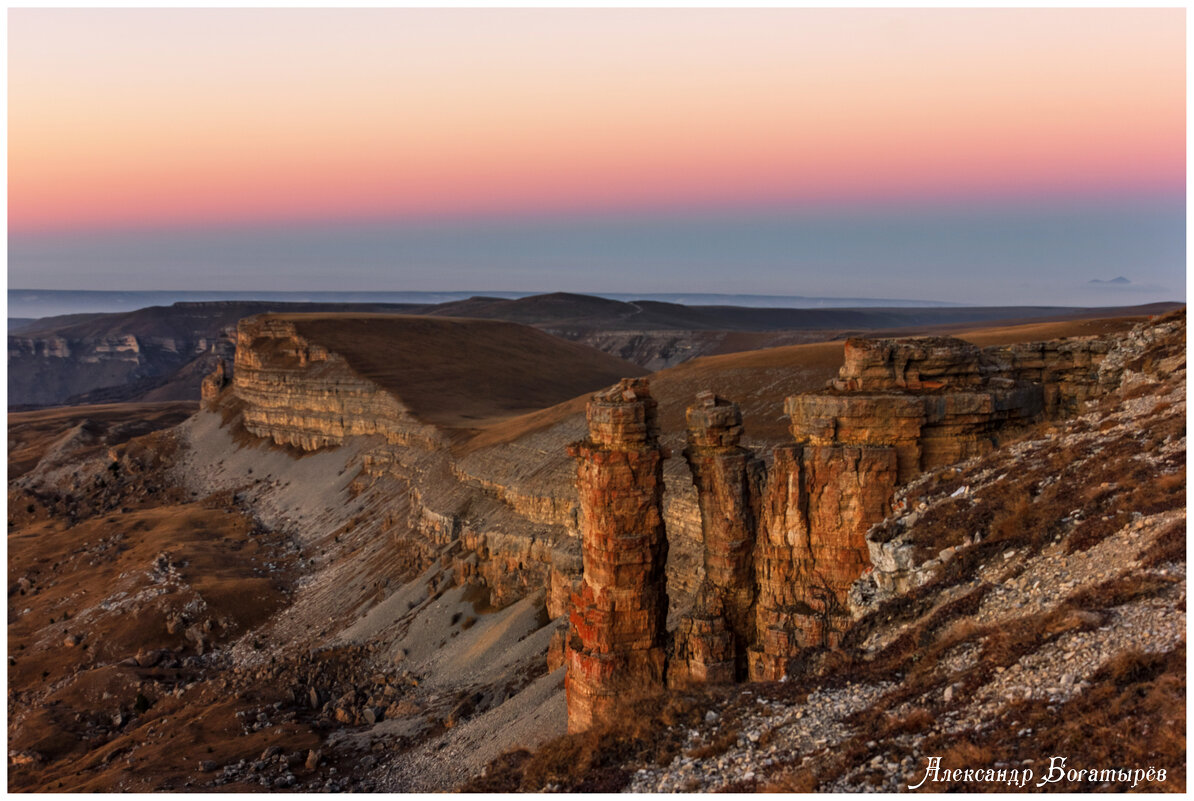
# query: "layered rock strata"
x,y
1066,370
938,400
53,370
296,392
293,391
819,503
928,430
567,572
711,642
897,408
616,642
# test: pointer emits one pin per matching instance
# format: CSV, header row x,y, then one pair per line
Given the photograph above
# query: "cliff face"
x,y
294,391
820,502
897,408
298,393
778,569
52,369
1067,371
711,642
938,400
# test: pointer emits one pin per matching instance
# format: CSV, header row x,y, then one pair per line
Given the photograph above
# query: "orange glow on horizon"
x,y
148,117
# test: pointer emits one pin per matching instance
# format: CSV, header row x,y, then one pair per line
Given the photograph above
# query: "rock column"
x,y
213,383
711,642
618,618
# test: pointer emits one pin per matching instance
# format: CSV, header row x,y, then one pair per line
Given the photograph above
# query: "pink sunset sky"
x,y
146,117
965,155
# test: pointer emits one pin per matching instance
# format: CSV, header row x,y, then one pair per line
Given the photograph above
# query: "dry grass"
x,y
1037,331
650,729
1114,702
460,373
32,434
1169,546
1136,707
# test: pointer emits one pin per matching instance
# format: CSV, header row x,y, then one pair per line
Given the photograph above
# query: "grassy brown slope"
x,y
127,563
32,434
1036,332
64,698
997,332
759,380
456,372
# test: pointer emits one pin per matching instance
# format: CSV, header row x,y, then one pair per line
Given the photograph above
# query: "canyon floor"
x,y
240,598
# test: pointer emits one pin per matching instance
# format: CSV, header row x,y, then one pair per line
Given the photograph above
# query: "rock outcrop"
x,y
767,556
711,642
618,620
1066,370
213,384
778,563
819,504
938,400
54,370
298,393
567,571
927,429
898,407
935,400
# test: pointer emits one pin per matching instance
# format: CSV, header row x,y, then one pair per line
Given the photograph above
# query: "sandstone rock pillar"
x,y
711,642
213,383
618,618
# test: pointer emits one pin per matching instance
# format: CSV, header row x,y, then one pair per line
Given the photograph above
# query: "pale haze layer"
x,y
1020,254
976,156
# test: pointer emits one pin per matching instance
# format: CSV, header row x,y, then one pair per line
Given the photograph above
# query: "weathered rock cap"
x,y
623,416
915,363
713,422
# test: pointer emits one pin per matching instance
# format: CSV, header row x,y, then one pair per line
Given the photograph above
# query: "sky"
x,y
972,155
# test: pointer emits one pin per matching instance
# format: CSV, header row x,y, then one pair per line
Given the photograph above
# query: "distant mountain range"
x,y
161,352
37,303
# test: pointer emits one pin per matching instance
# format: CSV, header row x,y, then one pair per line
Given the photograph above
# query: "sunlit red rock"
x,y
819,503
618,618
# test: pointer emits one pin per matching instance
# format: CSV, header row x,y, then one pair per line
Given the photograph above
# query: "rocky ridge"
x,y
49,370
897,408
394,567
948,400
1020,599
